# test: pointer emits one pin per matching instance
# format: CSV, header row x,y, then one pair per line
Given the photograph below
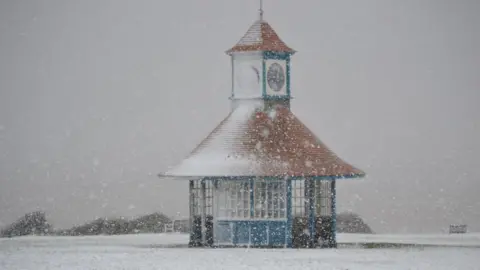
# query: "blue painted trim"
x,y
278,97
264,78
252,209
252,198
263,232
316,178
288,78
334,213
276,55
191,214
289,226
235,234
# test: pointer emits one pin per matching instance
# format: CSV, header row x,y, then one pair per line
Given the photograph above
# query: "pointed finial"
x,y
260,11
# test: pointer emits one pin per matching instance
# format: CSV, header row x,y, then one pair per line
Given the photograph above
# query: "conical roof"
x,y
260,37
252,141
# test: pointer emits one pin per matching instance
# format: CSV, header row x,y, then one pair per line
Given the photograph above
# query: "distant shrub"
x,y
34,223
100,226
152,223
351,223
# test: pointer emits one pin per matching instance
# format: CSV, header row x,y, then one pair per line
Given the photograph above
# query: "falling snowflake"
x,y
272,114
258,146
265,132
96,162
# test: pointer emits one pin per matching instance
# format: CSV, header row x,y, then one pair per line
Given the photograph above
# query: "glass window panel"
x,y
236,198
269,199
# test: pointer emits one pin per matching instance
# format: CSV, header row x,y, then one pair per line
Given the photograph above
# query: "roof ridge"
x,y
260,36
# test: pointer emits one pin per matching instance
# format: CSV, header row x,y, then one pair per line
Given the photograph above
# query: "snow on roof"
x,y
260,37
217,155
253,141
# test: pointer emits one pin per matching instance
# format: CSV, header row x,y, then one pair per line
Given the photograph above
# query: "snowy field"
x,y
152,252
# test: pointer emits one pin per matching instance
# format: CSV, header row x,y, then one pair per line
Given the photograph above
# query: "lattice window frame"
x,y
270,199
323,197
236,195
196,197
299,198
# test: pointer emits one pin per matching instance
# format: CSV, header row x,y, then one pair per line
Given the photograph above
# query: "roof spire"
x,y
260,11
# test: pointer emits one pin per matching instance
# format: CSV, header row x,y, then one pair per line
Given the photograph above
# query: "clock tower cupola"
x,y
261,65
262,178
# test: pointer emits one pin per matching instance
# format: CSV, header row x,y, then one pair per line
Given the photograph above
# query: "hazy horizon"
x,y
99,96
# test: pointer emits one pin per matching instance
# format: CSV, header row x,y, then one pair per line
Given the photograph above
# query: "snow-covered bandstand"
x,y
261,177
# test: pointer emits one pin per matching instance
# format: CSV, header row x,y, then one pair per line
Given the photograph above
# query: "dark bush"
x,y
152,223
351,223
34,223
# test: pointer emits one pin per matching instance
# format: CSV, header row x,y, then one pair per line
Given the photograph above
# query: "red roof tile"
x,y
255,142
260,37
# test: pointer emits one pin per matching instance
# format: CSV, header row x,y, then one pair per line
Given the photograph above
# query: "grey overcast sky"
x,y
98,96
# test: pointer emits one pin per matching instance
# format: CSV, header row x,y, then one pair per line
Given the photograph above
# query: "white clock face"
x,y
248,77
276,77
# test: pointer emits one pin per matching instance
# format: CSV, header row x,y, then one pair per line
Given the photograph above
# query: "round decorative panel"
x,y
276,77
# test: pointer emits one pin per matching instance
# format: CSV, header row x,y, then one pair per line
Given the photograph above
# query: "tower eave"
x,y
180,176
240,49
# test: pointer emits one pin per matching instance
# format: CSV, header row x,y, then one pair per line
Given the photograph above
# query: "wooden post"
x,y
252,210
215,209
204,212
311,212
333,241
289,227
192,212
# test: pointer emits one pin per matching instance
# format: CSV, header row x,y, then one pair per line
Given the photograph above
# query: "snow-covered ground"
x,y
149,252
452,240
